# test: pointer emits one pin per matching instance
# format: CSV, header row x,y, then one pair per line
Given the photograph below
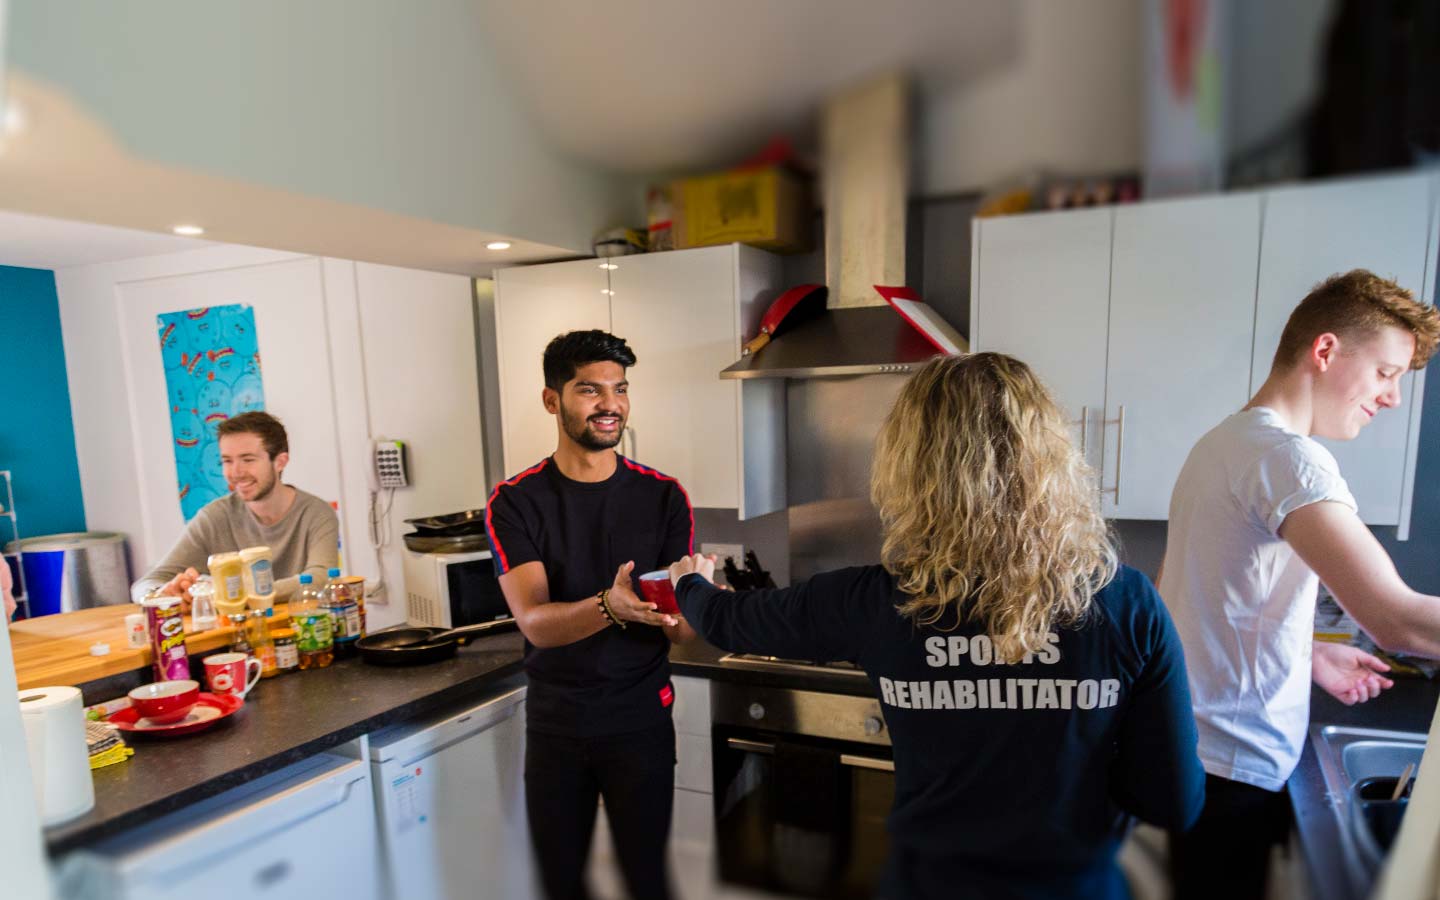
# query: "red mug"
x,y
658,590
226,673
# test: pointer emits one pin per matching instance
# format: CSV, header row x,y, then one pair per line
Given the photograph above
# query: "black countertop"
x,y
1409,706
284,720
700,660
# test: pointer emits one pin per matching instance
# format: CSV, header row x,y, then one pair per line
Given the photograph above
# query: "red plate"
x,y
209,709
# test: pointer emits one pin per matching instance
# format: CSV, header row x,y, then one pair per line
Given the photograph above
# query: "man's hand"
x,y
629,608
1347,673
697,563
179,586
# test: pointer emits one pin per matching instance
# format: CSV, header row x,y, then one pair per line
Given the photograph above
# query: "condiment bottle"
x,y
259,577
227,570
257,630
240,643
313,637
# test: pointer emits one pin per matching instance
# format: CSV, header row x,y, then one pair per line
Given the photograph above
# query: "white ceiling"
x,y
645,86
63,169
40,242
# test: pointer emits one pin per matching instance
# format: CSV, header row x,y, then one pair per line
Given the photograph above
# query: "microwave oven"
x,y
448,590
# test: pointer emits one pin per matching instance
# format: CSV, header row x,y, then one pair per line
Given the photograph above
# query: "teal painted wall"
x,y
37,435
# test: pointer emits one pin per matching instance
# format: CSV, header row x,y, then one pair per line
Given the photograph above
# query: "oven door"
x,y
797,813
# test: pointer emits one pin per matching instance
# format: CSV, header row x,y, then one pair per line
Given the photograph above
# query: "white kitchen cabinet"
x,y
685,314
1182,303
1041,293
692,821
540,302
1172,310
307,830
450,802
1314,231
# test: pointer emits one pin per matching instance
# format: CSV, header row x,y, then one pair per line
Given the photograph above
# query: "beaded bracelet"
x,y
603,601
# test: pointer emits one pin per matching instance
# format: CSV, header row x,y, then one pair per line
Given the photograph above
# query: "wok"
x,y
416,646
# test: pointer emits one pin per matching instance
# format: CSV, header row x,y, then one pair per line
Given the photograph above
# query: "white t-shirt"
x,y
1242,600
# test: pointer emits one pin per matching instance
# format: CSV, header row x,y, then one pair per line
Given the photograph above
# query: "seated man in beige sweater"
x,y
301,530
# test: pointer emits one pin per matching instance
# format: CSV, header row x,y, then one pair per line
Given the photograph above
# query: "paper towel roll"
x,y
54,721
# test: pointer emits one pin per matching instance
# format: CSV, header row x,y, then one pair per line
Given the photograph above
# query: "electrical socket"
x,y
737,551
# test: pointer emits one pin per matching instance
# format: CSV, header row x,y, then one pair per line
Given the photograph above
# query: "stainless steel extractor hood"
x,y
864,340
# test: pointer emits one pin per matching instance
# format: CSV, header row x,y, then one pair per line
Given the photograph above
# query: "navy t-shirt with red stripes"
x,y
617,680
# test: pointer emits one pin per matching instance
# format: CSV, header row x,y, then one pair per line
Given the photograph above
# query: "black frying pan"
x,y
416,646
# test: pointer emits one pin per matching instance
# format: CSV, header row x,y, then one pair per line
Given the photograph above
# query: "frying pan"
x,y
416,646
422,542
790,308
470,521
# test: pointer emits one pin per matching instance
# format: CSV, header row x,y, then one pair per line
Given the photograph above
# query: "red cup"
x,y
164,702
226,673
658,590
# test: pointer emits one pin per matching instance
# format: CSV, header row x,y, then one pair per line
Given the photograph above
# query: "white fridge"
x,y
305,832
450,802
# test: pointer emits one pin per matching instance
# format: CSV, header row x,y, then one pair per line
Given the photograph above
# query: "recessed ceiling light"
x,y
607,292
15,119
188,230
608,266
498,245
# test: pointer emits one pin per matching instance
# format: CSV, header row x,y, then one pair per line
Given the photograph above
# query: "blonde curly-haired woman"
x,y
1034,689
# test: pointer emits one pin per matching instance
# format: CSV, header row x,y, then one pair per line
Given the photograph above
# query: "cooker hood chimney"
x,y
865,150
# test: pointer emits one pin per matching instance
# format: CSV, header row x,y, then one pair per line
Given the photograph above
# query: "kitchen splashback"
x,y
832,427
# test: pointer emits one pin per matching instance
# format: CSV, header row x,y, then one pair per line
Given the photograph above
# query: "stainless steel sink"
x,y
1347,757
1365,757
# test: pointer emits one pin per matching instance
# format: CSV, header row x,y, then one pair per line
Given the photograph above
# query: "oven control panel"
x,y
840,717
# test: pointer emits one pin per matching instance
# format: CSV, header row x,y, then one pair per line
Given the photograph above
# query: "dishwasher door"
x,y
450,801
306,831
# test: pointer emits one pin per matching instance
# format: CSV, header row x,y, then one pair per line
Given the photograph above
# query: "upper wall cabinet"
x,y
1182,301
1041,292
539,303
1153,322
1313,232
685,314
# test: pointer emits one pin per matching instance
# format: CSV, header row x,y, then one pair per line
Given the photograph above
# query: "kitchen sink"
x,y
1350,759
1366,757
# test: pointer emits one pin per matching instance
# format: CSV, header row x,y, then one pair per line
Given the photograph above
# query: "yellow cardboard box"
x,y
766,208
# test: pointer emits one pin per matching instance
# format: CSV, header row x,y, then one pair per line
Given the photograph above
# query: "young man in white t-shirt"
x,y
1260,515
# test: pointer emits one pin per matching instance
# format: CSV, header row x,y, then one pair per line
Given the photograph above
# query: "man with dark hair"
x,y
1259,516
568,534
301,530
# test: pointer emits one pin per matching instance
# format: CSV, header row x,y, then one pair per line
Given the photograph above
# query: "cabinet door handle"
x,y
1084,431
1119,454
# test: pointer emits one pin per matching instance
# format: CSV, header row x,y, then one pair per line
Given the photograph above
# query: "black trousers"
x,y
1227,852
564,777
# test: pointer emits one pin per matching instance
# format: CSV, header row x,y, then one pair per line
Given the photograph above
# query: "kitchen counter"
x,y
284,720
1409,706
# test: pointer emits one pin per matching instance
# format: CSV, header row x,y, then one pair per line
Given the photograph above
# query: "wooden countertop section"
x,y
51,650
